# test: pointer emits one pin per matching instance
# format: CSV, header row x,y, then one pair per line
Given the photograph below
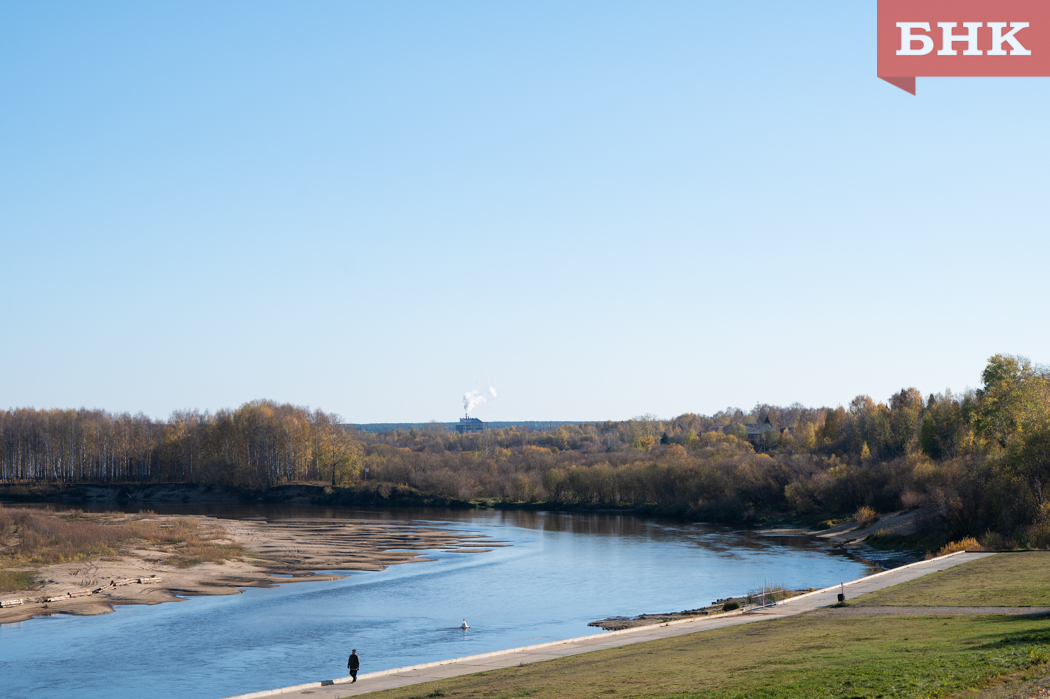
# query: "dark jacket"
x,y
353,663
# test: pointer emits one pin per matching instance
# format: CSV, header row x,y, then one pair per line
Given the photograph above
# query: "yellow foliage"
x,y
924,471
809,436
865,516
836,468
709,439
676,455
645,443
967,544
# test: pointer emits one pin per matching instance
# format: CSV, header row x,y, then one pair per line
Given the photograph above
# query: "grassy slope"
x,y
813,655
796,657
1004,580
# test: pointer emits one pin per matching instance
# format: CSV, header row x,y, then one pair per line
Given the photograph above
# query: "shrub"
x,y
768,593
911,500
994,541
1039,533
967,544
730,606
865,516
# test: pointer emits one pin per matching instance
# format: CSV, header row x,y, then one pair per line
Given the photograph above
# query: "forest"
x,y
978,461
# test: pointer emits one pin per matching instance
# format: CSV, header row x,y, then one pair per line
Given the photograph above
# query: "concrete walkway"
x,y
400,677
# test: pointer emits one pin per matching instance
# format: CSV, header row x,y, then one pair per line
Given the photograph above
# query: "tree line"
x,y
261,444
979,461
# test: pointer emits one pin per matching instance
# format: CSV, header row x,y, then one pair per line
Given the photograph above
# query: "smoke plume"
x,y
471,399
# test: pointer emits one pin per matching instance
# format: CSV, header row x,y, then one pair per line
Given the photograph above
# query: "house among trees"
x,y
756,431
468,425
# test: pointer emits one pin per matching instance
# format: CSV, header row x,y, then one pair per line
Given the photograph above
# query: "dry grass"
x,y
865,516
42,537
967,544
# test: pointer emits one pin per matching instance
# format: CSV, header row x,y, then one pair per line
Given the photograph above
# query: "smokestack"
x,y
472,399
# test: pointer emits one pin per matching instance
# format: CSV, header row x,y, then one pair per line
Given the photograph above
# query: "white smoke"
x,y
472,399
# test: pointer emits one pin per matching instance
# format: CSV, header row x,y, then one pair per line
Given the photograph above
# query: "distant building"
x,y
755,430
469,425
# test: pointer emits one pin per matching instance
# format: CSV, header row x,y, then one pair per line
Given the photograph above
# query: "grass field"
x,y
821,654
794,657
1004,580
14,581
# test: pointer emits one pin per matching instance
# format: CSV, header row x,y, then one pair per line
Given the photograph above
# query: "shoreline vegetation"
x,y
848,535
82,564
974,464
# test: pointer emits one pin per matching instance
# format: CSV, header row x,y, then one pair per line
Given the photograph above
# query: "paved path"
x,y
400,677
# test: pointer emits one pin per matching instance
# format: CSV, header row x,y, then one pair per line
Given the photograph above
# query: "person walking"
x,y
353,664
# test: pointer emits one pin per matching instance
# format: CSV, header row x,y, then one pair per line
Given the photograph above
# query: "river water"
x,y
561,572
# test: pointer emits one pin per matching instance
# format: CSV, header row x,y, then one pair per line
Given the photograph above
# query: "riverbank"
x,y
768,597
561,572
798,648
130,495
360,494
137,569
925,630
850,533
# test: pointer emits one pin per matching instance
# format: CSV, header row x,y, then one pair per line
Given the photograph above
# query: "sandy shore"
x,y
285,551
851,533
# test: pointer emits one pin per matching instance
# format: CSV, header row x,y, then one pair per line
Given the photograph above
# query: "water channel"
x,y
561,572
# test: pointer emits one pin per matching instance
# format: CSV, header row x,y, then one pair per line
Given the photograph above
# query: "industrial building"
x,y
469,425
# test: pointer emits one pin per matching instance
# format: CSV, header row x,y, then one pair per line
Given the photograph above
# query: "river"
x,y
561,572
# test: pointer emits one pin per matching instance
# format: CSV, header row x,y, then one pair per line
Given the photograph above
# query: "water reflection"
x,y
605,524
561,572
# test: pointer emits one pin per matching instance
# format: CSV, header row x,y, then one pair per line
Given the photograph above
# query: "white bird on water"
x,y
464,625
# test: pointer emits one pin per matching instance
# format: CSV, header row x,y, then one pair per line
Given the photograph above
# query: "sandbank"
x,y
273,553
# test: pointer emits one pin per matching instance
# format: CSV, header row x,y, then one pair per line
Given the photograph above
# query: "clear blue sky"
x,y
602,209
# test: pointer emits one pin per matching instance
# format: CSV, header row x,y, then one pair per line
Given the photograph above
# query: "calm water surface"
x,y
561,572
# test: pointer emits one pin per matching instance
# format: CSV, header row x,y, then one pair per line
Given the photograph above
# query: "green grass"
x,y
15,581
1004,580
795,657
